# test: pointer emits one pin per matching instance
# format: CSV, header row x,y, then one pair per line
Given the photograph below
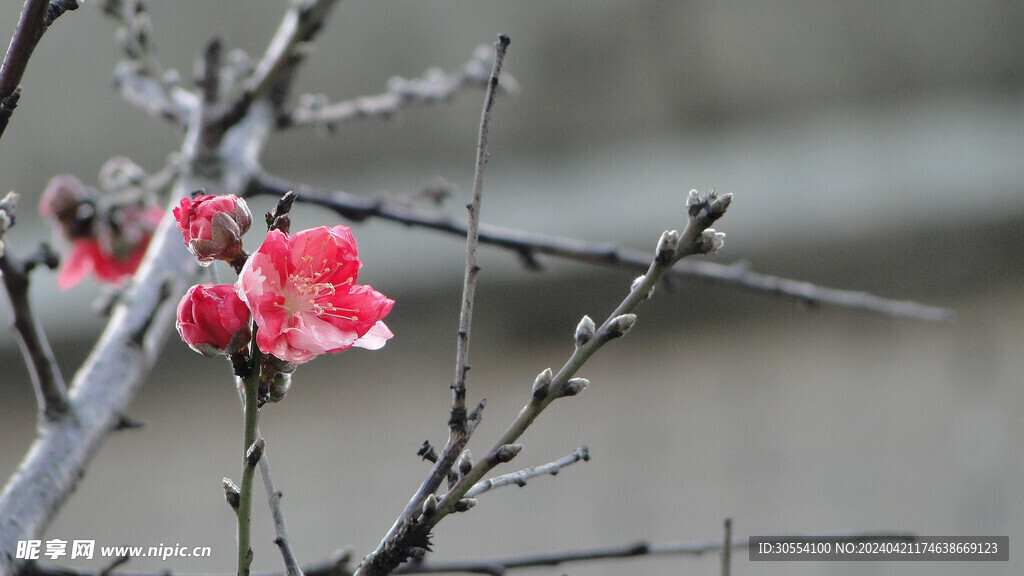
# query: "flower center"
x,y
307,292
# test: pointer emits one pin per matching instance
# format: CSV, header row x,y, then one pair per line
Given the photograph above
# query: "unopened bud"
x,y
507,452
636,284
574,386
429,505
719,205
710,242
465,462
693,198
213,320
584,331
620,325
667,245
255,452
231,493
542,383
279,386
212,226
465,504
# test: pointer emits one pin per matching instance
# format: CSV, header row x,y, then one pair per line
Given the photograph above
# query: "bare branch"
x,y
408,533
472,240
434,86
291,565
151,96
519,478
110,377
290,44
529,245
36,16
142,79
727,547
696,238
51,392
500,566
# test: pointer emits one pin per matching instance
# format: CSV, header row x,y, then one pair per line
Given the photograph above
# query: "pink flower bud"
x,y
68,203
213,320
304,298
212,226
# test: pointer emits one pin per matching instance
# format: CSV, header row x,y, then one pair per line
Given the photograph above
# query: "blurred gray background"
x,y
874,146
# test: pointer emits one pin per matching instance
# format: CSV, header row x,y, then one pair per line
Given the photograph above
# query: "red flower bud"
x,y
212,226
213,320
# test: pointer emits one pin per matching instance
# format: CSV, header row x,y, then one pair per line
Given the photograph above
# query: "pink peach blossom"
x,y
304,299
212,318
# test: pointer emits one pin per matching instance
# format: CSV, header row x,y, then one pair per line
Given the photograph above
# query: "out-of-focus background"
x,y
870,146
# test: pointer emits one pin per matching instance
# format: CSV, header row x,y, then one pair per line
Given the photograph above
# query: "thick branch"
x,y
100,394
529,245
432,87
107,382
35,17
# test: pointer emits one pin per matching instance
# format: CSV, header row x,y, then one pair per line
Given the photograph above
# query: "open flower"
x,y
213,320
212,226
107,238
302,293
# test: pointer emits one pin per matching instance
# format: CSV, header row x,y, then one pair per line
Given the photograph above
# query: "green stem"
x,y
252,417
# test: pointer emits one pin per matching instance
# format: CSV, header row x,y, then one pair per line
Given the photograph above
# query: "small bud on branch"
x,y
542,383
465,462
585,331
231,493
507,452
255,452
574,386
620,325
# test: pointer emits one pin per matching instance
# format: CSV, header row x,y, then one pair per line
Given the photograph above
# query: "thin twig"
x,y
727,547
520,477
472,240
529,246
434,86
500,566
291,565
408,533
51,392
142,79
